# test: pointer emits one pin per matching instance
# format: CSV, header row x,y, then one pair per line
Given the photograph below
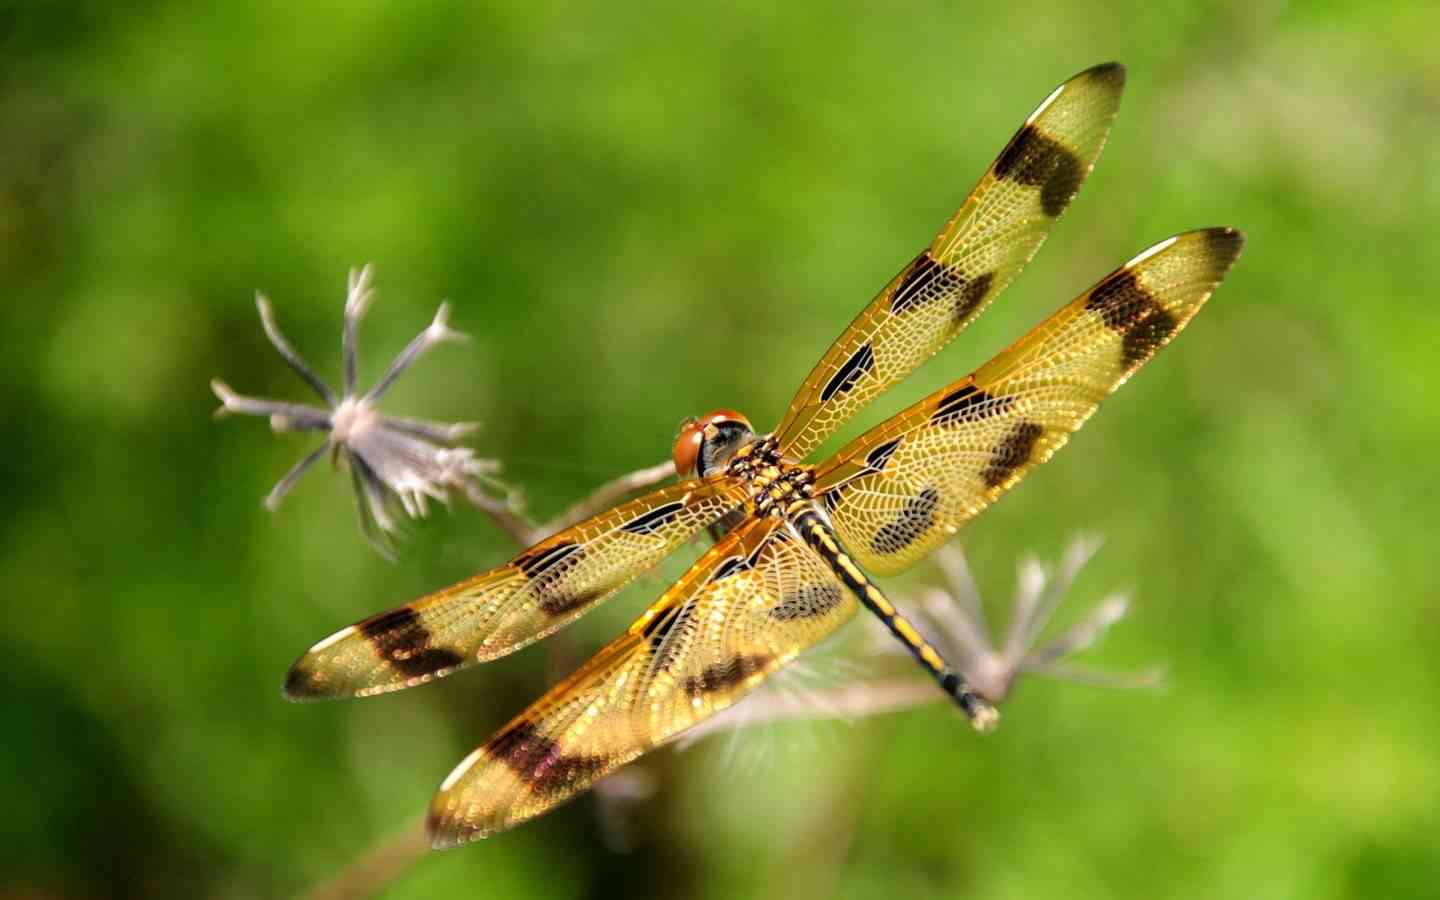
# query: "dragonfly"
x,y
799,543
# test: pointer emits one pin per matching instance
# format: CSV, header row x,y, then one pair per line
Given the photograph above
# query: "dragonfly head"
x,y
706,444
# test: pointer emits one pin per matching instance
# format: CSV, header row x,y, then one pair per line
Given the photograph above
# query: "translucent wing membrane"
x,y
977,253
746,608
499,611
904,487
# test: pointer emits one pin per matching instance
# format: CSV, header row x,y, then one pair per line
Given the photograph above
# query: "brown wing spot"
x,y
915,518
810,601
730,566
846,377
876,459
833,497
925,280
558,602
1147,335
922,282
1035,160
400,640
543,561
654,520
540,762
546,567
1011,453
668,652
915,287
1126,306
723,676
968,403
972,294
1121,300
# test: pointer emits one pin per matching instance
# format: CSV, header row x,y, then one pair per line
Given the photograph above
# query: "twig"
x,y
378,866
606,495
503,511
852,701
525,532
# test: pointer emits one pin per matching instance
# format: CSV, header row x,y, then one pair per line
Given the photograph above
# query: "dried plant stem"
x,y
379,866
606,495
503,512
852,701
814,865
526,533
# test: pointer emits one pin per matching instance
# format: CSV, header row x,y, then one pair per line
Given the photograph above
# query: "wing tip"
x,y
1225,243
1110,74
447,823
438,831
303,684
1218,247
443,831
1099,86
1221,245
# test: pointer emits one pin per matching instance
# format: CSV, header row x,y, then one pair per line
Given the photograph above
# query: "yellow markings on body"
x,y
927,653
908,633
875,598
824,538
850,568
878,601
931,658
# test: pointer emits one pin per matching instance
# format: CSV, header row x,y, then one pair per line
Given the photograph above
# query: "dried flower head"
x,y
397,464
957,623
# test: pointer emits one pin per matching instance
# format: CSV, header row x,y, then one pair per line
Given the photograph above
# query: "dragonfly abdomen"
x,y
823,540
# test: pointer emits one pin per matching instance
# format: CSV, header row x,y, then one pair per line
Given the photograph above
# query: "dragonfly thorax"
x,y
775,483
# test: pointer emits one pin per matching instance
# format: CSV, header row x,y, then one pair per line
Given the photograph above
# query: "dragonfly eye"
x,y
706,444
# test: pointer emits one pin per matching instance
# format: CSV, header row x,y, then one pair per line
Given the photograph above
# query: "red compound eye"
x,y
693,433
687,447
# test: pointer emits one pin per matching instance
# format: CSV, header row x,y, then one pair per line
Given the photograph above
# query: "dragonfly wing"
x,y
978,252
499,611
904,487
746,608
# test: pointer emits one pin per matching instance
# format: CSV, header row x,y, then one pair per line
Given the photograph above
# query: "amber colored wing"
x,y
499,611
978,252
901,489
745,609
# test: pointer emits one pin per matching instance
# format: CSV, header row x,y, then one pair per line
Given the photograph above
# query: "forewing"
x,y
901,489
977,253
502,610
746,608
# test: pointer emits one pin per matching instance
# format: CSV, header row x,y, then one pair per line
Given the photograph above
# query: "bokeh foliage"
x,y
645,211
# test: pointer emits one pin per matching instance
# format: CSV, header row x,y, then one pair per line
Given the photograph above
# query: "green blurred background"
x,y
642,212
